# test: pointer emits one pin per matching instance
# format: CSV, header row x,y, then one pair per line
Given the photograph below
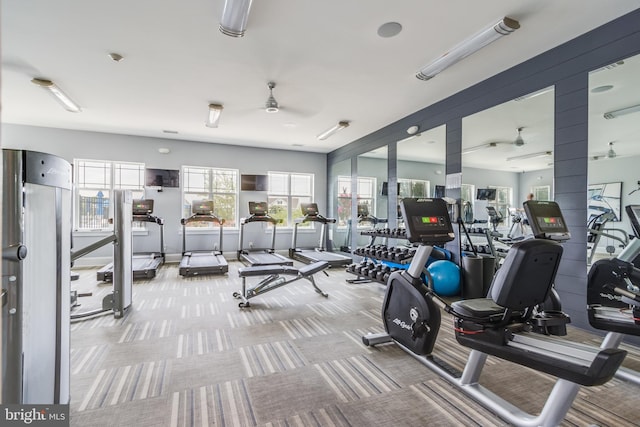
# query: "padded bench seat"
x,y
266,270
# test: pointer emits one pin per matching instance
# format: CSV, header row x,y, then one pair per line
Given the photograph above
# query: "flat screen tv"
x,y
486,194
385,189
438,193
254,182
167,178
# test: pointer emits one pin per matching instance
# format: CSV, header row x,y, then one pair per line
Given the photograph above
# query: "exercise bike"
x,y
498,326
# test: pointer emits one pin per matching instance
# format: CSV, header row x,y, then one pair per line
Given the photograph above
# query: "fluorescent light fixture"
x,y
621,112
479,147
62,98
327,133
214,115
534,94
530,156
234,17
503,27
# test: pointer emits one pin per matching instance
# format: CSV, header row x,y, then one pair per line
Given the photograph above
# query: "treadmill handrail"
x,y
148,218
257,218
156,220
312,218
260,218
315,218
200,218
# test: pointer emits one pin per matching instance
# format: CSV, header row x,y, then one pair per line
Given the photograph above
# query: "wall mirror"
x,y
614,152
340,204
421,164
508,148
373,191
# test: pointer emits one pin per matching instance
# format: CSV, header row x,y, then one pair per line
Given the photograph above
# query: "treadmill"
x,y
144,264
363,217
195,263
260,257
311,255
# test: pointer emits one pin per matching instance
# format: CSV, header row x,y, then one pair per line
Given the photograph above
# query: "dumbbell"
x,y
384,270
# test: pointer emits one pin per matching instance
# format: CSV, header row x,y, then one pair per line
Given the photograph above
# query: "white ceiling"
x,y
326,58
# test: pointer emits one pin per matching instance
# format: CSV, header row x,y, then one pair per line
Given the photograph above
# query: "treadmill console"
x,y
546,220
142,206
258,208
309,209
202,207
363,210
426,220
634,214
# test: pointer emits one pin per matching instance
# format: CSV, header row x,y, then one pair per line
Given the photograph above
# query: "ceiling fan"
x,y
610,154
271,106
519,142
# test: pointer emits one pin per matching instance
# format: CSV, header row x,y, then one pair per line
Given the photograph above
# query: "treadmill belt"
x,y
333,259
197,263
265,258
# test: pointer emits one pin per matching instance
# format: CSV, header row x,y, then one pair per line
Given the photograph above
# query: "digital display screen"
x,y
429,220
258,208
309,208
551,222
426,220
202,207
142,206
546,219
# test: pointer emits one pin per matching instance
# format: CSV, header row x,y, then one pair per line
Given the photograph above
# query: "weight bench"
x,y
275,279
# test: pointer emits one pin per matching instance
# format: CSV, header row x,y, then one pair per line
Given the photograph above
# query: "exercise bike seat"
x,y
524,281
479,308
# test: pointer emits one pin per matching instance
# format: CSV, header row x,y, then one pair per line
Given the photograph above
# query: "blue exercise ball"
x,y
446,277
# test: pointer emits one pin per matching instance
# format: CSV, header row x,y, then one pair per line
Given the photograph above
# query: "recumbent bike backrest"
x,y
527,274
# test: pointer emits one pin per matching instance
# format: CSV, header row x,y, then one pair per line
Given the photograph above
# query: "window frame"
x,y
210,192
111,183
289,195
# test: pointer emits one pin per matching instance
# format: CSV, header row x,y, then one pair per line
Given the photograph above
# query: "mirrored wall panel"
x,y
421,164
373,191
614,152
507,157
340,204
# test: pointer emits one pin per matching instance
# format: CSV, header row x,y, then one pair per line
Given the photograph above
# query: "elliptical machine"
x,y
498,325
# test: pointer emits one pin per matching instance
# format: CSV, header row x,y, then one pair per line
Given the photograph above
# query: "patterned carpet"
x,y
185,354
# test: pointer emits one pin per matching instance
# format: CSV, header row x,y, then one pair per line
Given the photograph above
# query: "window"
x,y
95,180
502,201
541,192
414,188
219,185
344,201
286,192
366,196
467,197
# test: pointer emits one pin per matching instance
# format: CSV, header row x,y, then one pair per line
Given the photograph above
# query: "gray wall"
x,y
567,67
531,179
70,144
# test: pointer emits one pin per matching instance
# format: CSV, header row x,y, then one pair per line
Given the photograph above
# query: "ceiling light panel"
x,y
502,28
58,94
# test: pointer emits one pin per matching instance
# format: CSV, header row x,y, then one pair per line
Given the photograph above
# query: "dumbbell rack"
x,y
380,260
489,248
